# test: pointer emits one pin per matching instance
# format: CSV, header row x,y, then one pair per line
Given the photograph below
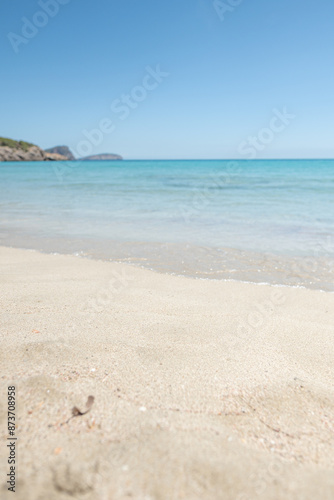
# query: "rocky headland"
x,y
63,151
11,150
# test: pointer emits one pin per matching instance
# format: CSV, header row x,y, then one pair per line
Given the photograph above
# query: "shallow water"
x,y
261,221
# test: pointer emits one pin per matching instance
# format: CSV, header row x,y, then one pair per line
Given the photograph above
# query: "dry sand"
x,y
203,389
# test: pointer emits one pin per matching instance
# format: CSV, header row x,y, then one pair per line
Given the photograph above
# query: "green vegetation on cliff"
x,y
11,150
10,143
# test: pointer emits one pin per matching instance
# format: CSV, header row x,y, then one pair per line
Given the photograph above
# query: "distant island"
x,y
11,150
61,150
102,156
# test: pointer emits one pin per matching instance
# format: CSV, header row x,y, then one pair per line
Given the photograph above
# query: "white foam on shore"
x,y
130,262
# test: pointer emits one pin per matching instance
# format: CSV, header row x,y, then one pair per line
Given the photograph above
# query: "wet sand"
x,y
203,389
314,270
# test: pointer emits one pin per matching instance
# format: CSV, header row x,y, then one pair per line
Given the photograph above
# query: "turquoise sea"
x,y
252,220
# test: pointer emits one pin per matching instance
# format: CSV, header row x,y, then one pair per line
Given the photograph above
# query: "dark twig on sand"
x,y
78,413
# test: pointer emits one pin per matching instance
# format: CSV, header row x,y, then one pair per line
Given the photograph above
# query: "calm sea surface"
x,y
252,220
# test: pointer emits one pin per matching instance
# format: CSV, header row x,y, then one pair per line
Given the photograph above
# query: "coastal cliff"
x,y
11,150
61,150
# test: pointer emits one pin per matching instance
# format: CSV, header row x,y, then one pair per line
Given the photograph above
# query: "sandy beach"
x,y
203,389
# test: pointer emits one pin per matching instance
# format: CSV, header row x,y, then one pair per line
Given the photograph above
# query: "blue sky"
x,y
229,65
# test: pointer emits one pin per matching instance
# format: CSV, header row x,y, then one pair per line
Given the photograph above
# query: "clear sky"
x,y
170,79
